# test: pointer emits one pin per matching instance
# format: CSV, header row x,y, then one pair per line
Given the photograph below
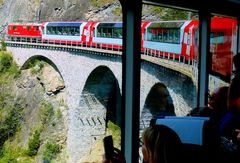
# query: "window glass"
x,y
169,66
223,46
109,30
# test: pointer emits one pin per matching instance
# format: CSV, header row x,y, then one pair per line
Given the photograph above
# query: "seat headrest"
x,y
189,129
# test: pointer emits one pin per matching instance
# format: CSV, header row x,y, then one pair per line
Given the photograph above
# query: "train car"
x,y
108,35
165,38
30,32
61,32
75,33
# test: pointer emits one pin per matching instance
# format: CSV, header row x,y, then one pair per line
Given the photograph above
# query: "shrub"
x,y
34,143
50,151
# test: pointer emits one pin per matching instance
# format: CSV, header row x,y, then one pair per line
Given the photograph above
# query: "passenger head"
x,y
159,100
201,112
218,100
161,145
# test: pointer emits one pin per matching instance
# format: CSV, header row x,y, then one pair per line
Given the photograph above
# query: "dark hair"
x,y
163,143
201,111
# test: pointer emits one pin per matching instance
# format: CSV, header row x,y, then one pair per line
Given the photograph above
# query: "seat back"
x,y
189,129
196,134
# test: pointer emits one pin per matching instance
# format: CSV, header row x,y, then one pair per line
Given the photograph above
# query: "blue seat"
x,y
197,134
189,129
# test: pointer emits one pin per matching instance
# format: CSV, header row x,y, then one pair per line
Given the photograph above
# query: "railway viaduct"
x,y
99,72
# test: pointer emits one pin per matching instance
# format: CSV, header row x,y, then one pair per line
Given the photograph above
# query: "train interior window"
x,y
65,30
223,46
109,30
168,32
169,67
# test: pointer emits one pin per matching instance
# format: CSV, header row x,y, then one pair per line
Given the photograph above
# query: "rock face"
x,y
56,10
52,82
35,90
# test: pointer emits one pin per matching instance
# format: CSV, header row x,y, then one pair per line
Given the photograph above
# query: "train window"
x,y
14,28
220,37
68,30
109,30
159,34
216,37
28,28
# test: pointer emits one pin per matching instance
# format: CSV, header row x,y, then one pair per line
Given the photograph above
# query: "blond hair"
x,y
162,143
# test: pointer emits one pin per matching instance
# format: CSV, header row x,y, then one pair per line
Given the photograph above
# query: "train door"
x,y
188,40
143,33
87,32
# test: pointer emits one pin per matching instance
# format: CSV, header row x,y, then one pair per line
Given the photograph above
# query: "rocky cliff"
x,y
58,10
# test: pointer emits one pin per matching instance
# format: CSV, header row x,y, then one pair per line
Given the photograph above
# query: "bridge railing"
x,y
113,47
170,60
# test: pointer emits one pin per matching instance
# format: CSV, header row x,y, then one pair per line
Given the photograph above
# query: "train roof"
x,y
26,24
64,24
167,24
110,25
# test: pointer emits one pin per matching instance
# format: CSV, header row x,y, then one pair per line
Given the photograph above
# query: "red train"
x,y
175,39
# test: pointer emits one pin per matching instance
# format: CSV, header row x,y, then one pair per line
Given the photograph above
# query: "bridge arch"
x,y
103,85
33,58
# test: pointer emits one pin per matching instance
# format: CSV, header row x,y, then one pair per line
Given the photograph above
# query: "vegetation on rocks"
x,y
101,3
28,120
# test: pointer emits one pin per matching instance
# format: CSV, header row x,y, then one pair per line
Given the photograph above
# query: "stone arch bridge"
x,y
88,70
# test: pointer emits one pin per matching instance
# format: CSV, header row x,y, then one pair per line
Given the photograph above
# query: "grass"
x,y
115,131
